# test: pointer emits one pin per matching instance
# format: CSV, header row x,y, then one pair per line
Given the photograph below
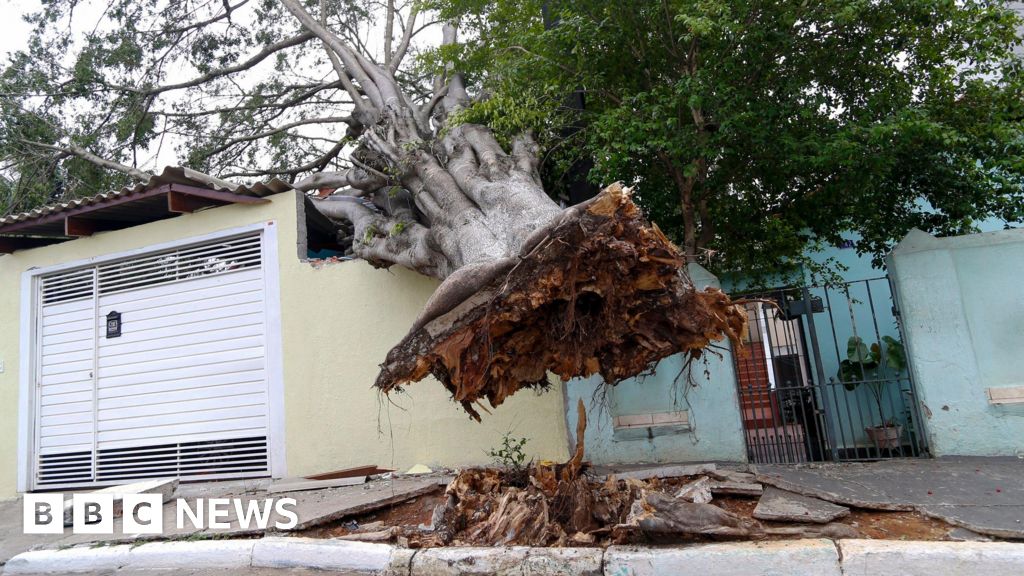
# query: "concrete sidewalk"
x,y
985,495
313,507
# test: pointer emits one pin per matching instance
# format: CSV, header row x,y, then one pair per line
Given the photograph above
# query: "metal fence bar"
x,y
794,410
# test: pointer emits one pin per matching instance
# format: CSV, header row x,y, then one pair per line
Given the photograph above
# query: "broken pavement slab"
x,y
725,475
164,487
300,484
318,507
736,488
697,491
985,495
669,471
782,506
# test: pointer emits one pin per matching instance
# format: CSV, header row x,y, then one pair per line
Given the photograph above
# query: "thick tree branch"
x,y
395,60
387,240
84,154
354,178
349,58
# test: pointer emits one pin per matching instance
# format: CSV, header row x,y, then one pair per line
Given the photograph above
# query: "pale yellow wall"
x,y
337,324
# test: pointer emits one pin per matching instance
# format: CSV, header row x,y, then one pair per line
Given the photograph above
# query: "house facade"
x,y
180,329
205,345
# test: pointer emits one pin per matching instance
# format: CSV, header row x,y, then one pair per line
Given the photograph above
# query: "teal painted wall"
x,y
962,301
863,309
716,430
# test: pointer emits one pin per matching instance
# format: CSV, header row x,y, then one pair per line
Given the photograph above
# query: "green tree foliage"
x,y
755,129
217,82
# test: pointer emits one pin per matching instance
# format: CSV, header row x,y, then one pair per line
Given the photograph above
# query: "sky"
x,y
16,33
15,29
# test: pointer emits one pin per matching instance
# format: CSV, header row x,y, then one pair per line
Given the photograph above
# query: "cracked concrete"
x,y
985,495
313,508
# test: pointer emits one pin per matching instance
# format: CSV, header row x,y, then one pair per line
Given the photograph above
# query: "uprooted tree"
x,y
529,287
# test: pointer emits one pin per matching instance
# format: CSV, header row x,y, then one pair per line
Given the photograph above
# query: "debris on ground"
x,y
985,495
385,535
355,472
698,491
737,488
782,506
300,484
415,521
656,512
334,479
725,475
964,535
418,469
572,504
671,471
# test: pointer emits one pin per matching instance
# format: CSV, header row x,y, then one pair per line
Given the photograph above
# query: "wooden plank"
x,y
9,244
181,203
216,194
78,227
119,200
57,217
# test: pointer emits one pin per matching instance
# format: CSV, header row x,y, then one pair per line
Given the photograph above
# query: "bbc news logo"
x,y
144,513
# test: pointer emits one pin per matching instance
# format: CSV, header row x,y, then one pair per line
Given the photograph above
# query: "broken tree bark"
x,y
599,291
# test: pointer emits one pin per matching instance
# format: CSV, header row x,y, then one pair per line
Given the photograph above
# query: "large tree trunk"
x,y
528,288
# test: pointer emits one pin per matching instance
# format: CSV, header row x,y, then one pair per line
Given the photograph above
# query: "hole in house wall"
x,y
320,238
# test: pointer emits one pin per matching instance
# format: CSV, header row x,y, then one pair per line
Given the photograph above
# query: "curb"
x,y
896,558
319,554
805,557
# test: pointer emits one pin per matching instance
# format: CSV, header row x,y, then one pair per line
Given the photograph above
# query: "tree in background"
x,y
326,96
757,129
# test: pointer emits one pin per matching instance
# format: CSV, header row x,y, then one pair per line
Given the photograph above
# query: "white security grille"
x,y
181,392
181,264
68,286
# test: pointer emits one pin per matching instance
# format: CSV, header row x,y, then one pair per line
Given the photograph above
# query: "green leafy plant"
x,y
511,454
872,366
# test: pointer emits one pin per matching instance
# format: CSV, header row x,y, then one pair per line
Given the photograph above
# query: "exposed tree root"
x,y
559,506
599,291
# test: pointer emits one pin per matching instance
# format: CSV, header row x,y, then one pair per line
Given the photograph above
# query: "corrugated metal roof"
x,y
170,175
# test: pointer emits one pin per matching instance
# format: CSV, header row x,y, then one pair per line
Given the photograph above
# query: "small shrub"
x,y
512,458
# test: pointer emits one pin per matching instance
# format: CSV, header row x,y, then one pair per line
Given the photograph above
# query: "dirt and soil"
x,y
409,516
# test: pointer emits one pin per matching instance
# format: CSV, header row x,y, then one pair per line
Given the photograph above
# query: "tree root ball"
x,y
602,292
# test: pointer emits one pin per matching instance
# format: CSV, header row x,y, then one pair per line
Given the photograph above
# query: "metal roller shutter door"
x,y
182,392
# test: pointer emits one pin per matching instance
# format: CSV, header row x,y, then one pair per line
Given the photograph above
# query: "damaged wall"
x,y
338,322
962,303
341,320
696,422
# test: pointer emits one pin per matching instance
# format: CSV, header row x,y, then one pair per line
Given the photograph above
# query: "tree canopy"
x,y
754,129
408,176
240,88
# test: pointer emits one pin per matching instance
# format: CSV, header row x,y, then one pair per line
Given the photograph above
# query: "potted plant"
x,y
871,366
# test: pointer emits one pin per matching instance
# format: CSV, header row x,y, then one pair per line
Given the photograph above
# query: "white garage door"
x,y
181,391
